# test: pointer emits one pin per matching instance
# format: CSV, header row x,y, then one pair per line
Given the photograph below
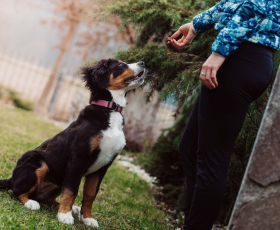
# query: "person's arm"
x,y
208,18
243,24
199,24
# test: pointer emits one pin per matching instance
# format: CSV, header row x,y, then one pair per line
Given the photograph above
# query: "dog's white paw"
x,y
89,222
65,218
76,210
32,204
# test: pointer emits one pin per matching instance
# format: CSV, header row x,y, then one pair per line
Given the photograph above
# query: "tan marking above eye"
x,y
117,83
120,61
95,141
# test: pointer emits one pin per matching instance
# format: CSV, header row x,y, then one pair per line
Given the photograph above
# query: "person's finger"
x,y
177,33
206,83
189,38
181,45
178,45
174,44
171,42
186,42
214,76
203,76
182,39
203,72
208,78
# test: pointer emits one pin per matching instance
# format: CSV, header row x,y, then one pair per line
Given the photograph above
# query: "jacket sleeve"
x,y
207,19
243,24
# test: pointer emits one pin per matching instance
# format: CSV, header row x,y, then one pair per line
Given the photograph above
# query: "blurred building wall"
x,y
144,121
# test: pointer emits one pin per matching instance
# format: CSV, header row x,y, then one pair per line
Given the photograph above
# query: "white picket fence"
x,y
27,77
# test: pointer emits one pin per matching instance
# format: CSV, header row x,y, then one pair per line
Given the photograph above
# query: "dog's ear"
x,y
96,76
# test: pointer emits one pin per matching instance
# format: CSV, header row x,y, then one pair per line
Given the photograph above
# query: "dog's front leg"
x,y
65,210
90,191
70,189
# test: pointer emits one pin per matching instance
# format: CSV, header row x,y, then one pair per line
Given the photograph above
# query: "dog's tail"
x,y
6,184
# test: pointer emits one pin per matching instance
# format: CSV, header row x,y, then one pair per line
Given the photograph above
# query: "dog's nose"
x,y
141,63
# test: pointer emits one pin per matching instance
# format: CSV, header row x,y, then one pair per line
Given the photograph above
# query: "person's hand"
x,y
210,69
188,36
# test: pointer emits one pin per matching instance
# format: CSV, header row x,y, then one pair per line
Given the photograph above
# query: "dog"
x,y
86,148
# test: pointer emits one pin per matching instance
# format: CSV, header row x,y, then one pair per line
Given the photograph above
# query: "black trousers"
x,y
214,124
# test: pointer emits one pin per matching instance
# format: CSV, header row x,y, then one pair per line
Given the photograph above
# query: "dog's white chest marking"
x,y
112,142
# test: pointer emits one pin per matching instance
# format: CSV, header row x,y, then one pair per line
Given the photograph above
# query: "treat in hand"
x,y
185,40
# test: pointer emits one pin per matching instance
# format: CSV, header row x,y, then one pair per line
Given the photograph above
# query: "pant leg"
x,y
215,144
221,113
187,148
189,145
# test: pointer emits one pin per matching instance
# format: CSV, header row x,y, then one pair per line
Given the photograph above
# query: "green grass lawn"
x,y
114,208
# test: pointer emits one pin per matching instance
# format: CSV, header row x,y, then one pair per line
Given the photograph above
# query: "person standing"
x,y
237,72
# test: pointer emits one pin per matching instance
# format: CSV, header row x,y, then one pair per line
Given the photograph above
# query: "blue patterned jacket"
x,y
257,21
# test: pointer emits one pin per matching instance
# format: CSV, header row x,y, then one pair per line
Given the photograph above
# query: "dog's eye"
x,y
121,64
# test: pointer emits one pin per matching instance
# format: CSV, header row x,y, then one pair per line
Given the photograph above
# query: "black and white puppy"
x,y
85,149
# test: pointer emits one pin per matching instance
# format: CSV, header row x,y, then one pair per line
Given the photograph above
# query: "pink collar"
x,y
108,104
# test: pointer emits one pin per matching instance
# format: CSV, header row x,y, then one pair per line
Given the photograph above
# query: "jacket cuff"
x,y
193,28
218,54
197,25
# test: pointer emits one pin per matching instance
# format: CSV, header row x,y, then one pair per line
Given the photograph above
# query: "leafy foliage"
x,y
170,71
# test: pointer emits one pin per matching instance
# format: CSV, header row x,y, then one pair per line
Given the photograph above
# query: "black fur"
x,y
6,184
67,154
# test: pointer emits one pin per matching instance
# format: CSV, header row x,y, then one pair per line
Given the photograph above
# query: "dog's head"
x,y
113,75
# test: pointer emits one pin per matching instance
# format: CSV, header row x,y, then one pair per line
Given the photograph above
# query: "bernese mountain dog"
x,y
85,149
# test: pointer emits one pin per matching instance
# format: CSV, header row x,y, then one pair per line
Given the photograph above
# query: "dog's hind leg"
x,y
48,196
47,193
27,182
52,201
